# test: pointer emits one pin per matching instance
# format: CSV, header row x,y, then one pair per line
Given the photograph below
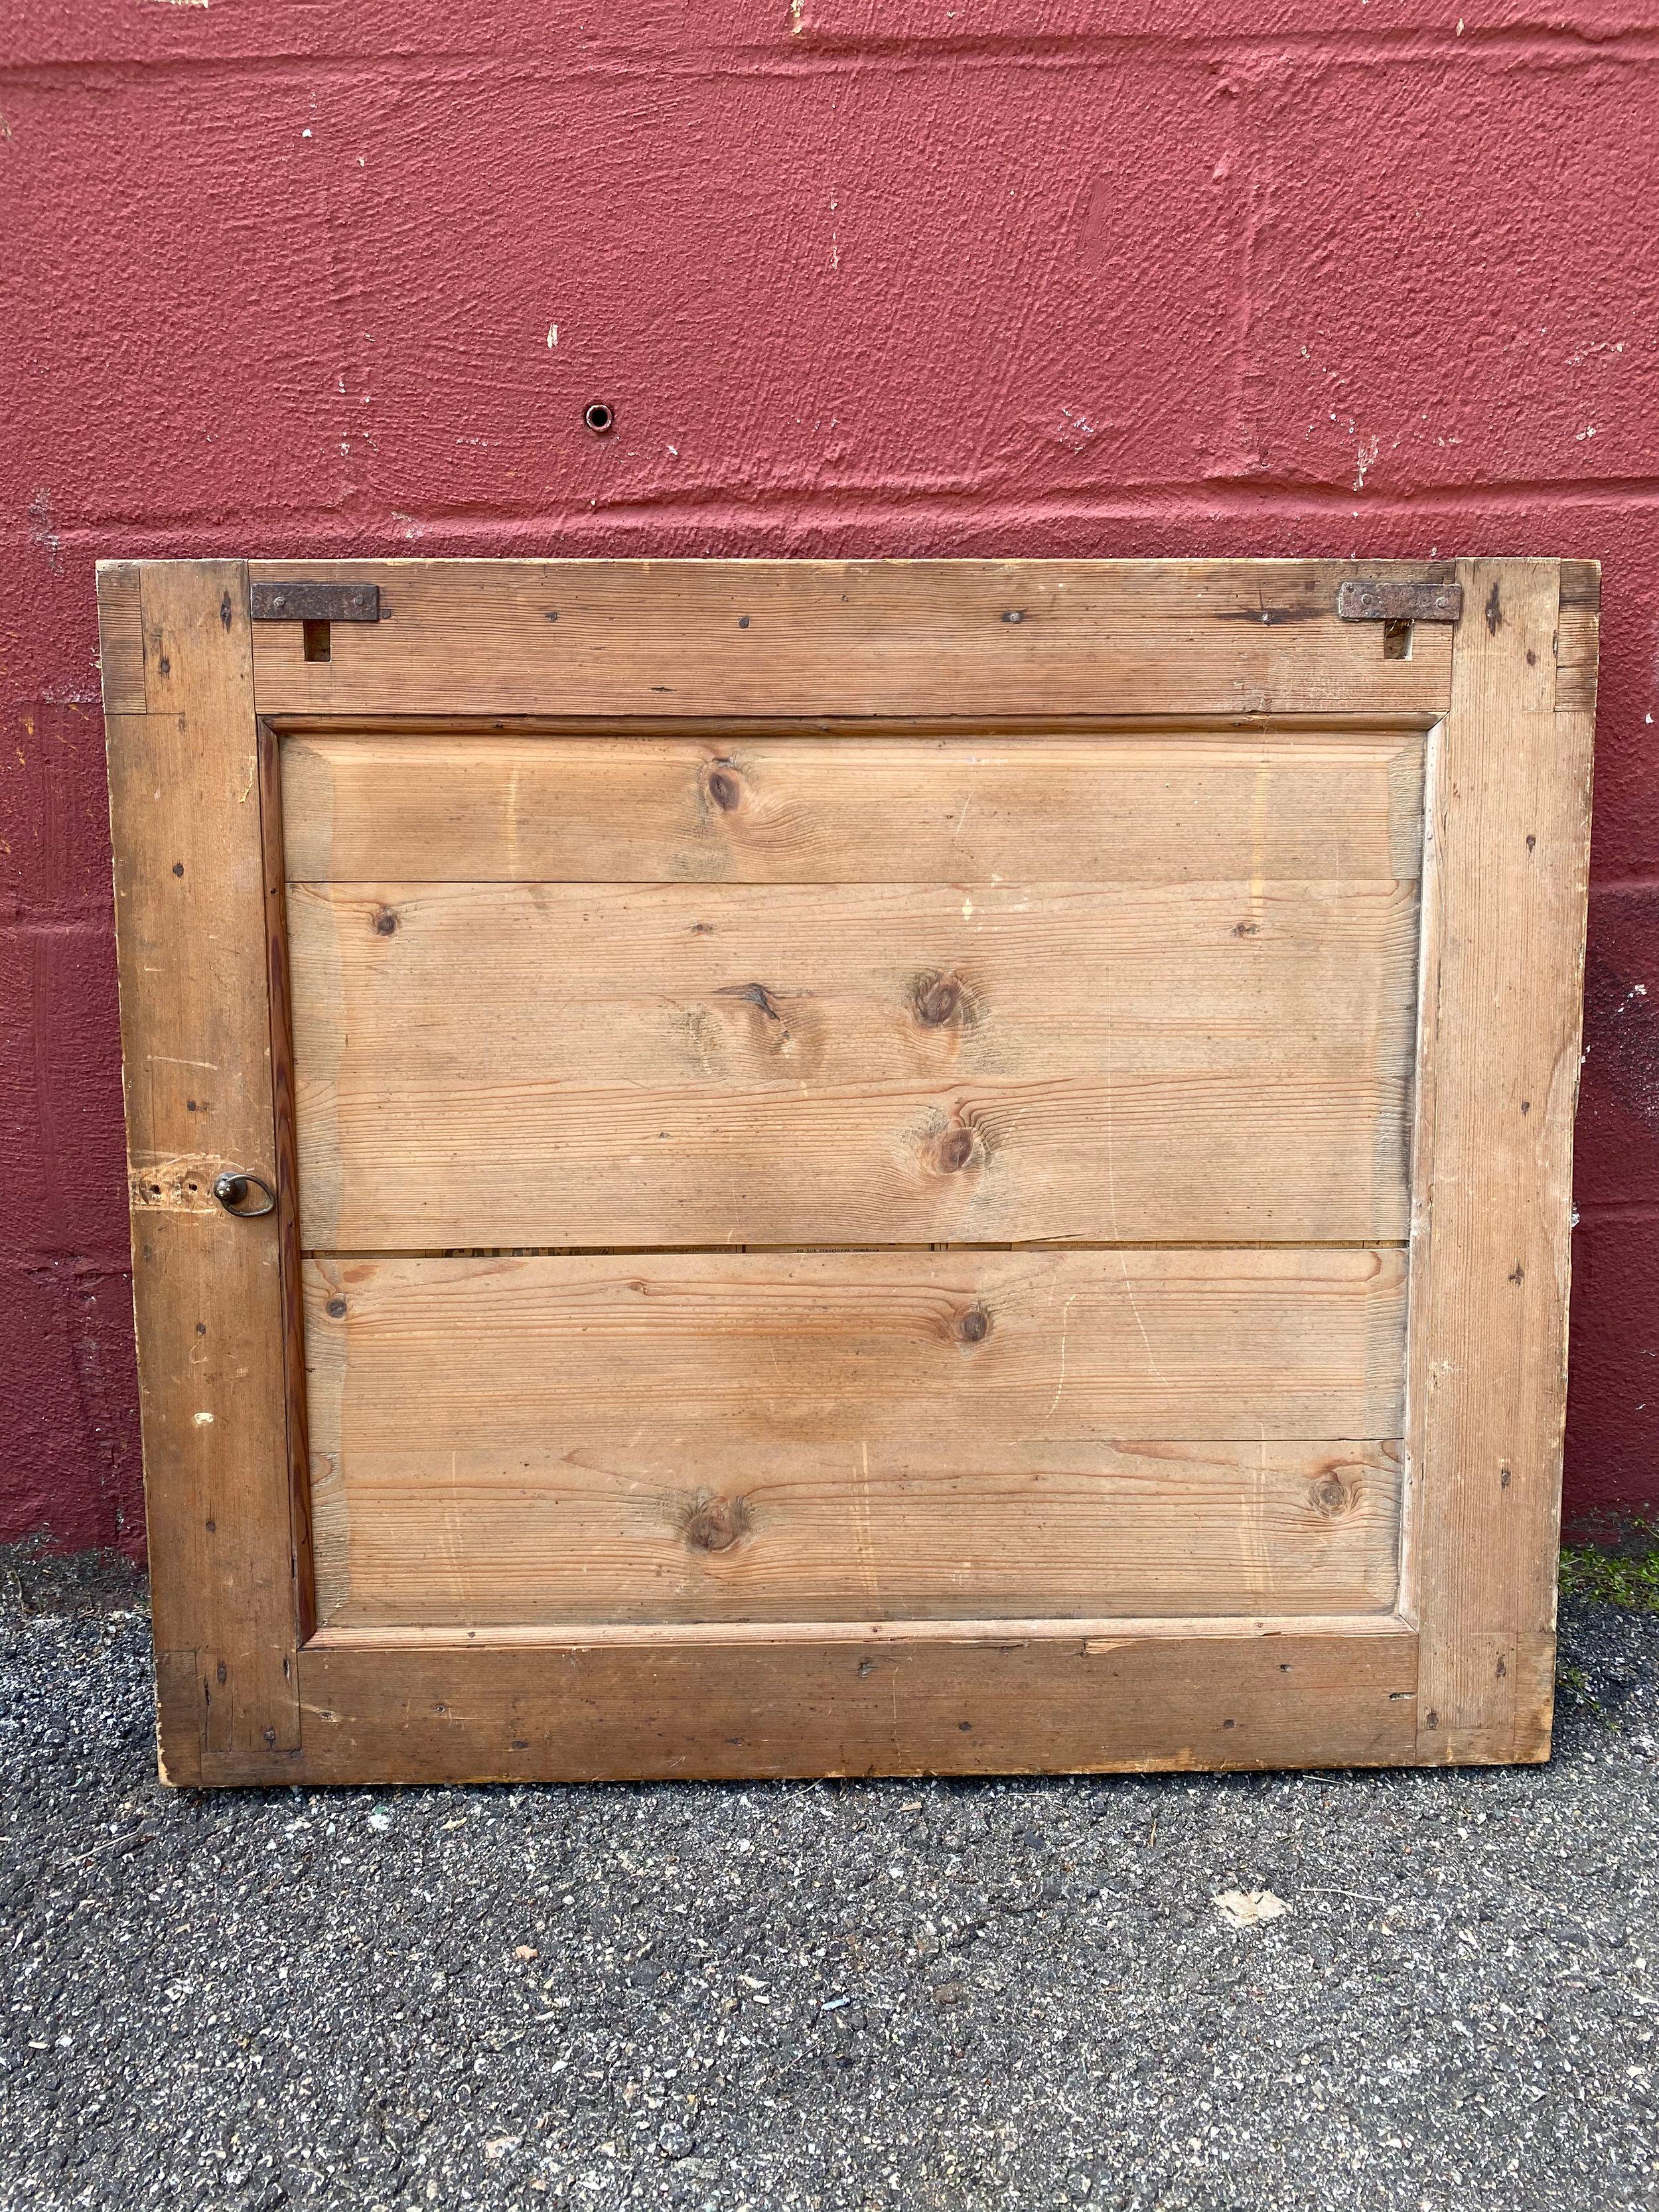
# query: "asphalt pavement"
x,y
952,1996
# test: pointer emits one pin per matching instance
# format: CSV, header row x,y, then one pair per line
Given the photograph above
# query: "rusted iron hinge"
x,y
1363,600
307,602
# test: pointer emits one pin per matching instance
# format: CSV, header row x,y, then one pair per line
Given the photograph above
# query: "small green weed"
x,y
1628,1575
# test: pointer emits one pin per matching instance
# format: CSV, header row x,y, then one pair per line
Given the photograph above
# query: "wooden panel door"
x,y
789,1168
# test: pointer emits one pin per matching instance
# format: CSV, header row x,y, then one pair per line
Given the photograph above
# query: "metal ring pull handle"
x,y
230,1190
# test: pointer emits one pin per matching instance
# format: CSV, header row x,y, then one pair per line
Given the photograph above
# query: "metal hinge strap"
x,y
309,602
1363,600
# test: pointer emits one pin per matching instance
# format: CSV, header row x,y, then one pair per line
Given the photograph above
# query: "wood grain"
x,y
941,638
121,638
977,1706
1126,806
196,1036
805,1533
1510,834
561,1066
699,1377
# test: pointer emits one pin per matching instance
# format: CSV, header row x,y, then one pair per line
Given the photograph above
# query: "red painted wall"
x,y
946,276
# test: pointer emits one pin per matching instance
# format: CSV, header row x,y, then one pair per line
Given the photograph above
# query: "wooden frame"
x,y
250,1692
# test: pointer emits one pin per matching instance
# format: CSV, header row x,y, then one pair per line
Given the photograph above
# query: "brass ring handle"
x,y
231,1189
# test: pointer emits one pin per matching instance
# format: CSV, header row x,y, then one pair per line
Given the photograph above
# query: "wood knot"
x,y
725,787
715,1524
972,1325
336,1309
386,922
1247,929
954,1151
1330,1495
936,1000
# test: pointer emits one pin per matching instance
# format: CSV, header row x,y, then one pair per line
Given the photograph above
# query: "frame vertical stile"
x,y
286,1155
197,1031
1508,811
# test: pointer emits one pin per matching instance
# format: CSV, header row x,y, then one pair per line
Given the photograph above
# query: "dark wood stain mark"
x,y
1494,612
1271,616
753,995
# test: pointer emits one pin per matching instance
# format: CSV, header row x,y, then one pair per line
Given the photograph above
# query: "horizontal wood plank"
x,y
802,1533
1132,806
977,1706
854,1433
944,638
554,1065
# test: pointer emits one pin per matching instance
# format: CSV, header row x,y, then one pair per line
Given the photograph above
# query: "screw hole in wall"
x,y
599,418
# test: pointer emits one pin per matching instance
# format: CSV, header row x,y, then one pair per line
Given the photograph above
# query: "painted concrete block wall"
x,y
995,277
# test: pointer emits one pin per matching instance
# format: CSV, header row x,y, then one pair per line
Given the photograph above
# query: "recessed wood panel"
x,y
584,1065
889,1418
1131,806
810,1533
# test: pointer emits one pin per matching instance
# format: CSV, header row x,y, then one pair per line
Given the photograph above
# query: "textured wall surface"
x,y
997,276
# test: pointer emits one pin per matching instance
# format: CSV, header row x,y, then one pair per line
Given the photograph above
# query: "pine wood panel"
x,y
704,1378
1133,806
941,638
1509,829
804,1533
1004,1705
191,895
568,1064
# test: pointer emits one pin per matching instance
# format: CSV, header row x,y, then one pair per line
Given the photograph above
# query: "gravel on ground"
x,y
977,1996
